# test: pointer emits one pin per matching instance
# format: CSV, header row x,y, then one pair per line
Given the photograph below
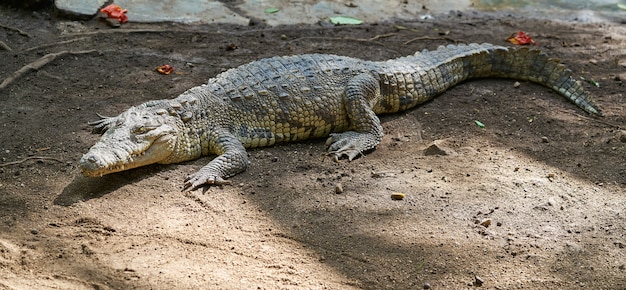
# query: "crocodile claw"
x,y
195,181
349,144
349,152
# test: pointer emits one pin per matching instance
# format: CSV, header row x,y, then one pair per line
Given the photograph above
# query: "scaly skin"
x,y
294,98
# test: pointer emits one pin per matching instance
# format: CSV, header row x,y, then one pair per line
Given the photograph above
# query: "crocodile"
x,y
292,98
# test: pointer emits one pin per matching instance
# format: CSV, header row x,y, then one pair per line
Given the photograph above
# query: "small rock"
x,y
87,250
79,10
381,174
400,138
426,286
485,223
397,196
256,22
621,77
545,139
517,85
551,201
478,281
338,188
573,246
113,23
437,148
621,135
34,231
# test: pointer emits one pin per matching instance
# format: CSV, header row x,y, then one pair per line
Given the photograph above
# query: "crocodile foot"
x,y
198,179
350,144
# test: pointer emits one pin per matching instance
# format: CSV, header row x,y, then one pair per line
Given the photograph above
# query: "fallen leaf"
x,y
397,196
232,46
520,38
345,20
479,124
271,10
165,69
115,12
597,84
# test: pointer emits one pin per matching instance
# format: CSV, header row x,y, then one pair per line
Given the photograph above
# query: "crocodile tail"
x,y
487,60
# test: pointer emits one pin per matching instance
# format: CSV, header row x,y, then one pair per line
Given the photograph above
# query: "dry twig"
x,y
30,158
4,46
597,120
21,32
39,63
56,43
430,38
372,39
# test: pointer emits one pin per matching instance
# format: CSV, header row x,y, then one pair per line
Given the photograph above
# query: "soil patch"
x,y
534,200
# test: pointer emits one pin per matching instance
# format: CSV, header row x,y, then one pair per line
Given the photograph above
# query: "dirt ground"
x,y
534,200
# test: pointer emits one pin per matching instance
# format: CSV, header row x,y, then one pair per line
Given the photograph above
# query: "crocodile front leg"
x,y
232,159
362,92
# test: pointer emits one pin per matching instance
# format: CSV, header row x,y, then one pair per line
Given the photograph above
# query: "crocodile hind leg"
x,y
361,92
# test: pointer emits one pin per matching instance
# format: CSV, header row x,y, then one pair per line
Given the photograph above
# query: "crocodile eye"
x,y
140,130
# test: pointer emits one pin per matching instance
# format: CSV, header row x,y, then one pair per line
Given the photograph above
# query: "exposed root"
x,y
598,120
118,31
431,38
56,43
30,158
371,39
21,32
39,63
4,46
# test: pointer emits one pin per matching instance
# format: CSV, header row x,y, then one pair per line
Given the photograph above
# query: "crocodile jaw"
x,y
104,159
134,139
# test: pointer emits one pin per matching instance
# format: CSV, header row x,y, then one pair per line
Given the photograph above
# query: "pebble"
x,y
338,188
437,148
426,286
34,231
551,201
621,135
516,84
485,223
545,139
397,196
478,281
79,9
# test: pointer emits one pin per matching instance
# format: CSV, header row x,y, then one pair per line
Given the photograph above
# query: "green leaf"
x,y
345,20
621,6
597,84
479,124
271,10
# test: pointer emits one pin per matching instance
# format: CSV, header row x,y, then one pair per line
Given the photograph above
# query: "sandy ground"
x,y
534,200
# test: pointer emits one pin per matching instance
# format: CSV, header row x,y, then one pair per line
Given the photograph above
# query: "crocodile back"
x,y
283,99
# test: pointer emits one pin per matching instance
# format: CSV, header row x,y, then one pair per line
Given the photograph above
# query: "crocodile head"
x,y
140,136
